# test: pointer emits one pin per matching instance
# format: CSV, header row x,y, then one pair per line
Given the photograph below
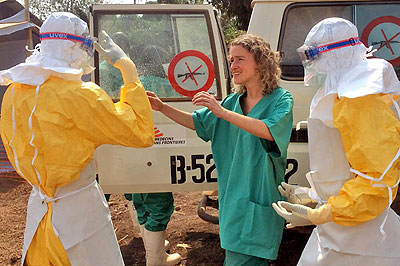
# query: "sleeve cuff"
x,y
321,215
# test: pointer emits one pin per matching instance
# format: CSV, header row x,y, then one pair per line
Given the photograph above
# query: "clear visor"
x,y
87,44
307,54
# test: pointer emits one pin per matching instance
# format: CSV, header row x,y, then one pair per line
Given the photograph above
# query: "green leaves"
x,y
43,8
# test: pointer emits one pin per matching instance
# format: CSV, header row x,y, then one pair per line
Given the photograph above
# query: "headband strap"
x,y
61,36
332,46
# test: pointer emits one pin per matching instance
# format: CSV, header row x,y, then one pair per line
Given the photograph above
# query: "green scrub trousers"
x,y
238,259
154,210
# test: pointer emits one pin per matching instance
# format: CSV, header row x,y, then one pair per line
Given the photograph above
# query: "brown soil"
x,y
196,240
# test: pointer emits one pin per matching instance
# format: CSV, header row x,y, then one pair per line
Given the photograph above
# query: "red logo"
x,y
158,133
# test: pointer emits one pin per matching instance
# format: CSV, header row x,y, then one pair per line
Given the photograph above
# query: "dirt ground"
x,y
196,240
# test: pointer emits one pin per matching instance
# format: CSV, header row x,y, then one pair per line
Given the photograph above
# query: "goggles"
x,y
86,41
310,53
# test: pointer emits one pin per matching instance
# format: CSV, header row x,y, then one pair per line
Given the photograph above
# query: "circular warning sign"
x,y
383,34
190,72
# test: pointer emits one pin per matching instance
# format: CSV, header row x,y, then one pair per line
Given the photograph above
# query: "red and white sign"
x,y
191,72
383,33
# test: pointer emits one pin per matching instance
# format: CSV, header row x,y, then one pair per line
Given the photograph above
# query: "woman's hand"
x,y
156,103
207,100
181,117
249,124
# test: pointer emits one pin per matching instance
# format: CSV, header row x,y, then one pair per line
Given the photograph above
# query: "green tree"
x,y
43,8
233,13
230,28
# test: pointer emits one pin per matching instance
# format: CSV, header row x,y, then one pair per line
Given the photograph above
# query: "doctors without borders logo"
x,y
157,133
169,135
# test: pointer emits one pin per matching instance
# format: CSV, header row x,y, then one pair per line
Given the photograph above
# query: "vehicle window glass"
x,y
298,21
154,39
378,26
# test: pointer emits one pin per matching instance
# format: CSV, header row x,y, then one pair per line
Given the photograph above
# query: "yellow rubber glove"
x,y
315,216
292,219
321,215
115,56
295,194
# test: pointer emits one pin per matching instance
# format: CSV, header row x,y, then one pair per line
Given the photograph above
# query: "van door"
x,y
179,160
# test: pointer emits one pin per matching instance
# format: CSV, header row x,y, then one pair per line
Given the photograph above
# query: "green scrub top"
x,y
249,171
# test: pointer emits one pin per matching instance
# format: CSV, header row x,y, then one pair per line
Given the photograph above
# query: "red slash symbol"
x,y
191,74
387,42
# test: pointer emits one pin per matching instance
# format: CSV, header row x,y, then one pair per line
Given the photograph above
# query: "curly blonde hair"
x,y
266,60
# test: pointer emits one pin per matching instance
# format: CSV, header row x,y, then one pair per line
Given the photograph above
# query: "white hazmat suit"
x,y
354,146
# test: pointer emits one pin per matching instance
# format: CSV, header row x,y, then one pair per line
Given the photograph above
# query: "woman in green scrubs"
x,y
250,133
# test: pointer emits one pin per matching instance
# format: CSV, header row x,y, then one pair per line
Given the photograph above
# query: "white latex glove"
x,y
292,219
111,52
316,216
297,197
115,56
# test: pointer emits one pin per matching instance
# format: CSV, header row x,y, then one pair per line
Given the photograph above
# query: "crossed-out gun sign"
x,y
190,74
386,42
186,75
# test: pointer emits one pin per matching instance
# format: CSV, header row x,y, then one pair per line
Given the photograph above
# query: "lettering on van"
x,y
199,168
169,141
180,169
169,135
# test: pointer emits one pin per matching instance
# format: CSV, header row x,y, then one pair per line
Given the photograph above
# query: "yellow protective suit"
x,y
50,133
370,135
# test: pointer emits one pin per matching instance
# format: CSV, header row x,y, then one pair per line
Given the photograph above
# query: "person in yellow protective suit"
x,y
354,146
51,123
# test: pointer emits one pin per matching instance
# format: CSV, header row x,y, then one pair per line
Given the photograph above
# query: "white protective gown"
x,y
349,75
330,243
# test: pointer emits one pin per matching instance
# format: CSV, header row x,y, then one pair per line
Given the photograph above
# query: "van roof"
x,y
295,1
303,1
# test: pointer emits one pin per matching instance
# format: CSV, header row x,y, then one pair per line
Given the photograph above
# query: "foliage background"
x,y
234,15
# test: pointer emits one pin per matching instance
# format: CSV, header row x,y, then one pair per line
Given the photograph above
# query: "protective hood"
x,y
348,71
57,57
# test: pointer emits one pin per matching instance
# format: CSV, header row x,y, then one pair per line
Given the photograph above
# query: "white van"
x,y
180,161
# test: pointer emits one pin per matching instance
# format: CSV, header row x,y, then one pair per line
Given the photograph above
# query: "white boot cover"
x,y
154,243
167,245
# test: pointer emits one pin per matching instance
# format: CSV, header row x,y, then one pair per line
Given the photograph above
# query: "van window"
x,y
153,39
378,25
